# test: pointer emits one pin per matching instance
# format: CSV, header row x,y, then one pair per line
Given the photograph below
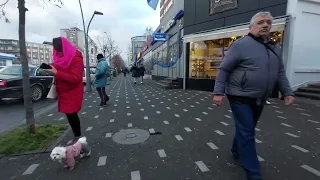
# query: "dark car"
x,y
11,82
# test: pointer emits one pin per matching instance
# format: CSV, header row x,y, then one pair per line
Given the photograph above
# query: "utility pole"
x,y
110,60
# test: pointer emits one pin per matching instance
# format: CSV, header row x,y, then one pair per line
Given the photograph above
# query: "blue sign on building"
x,y
159,37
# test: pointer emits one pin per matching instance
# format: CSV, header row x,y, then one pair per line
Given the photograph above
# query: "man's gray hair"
x,y
262,13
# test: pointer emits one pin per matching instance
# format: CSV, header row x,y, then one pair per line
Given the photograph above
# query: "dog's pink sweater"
x,y
71,152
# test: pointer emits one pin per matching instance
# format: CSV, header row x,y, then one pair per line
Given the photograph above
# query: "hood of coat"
x,y
102,59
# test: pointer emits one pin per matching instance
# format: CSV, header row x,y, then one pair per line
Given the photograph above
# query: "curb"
x,y
43,150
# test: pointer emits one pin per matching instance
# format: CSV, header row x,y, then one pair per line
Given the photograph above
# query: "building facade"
x,y
163,57
137,43
77,38
208,34
37,53
6,59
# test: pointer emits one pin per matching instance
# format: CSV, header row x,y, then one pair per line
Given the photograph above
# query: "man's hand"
x,y
288,100
217,99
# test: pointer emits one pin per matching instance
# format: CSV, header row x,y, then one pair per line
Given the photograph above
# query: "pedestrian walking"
x,y
141,72
247,75
135,72
67,69
101,79
124,71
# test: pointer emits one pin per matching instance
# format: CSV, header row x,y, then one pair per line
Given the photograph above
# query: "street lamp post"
x,y
88,78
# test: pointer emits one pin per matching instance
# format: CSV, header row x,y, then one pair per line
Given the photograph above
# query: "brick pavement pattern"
x,y
190,139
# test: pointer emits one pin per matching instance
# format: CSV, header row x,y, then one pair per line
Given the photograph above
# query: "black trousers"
x,y
74,122
103,95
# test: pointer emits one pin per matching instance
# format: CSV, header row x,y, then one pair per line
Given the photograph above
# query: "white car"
x,y
92,74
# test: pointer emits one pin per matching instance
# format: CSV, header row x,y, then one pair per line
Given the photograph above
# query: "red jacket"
x,y
69,85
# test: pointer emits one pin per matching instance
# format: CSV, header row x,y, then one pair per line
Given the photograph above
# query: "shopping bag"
x,y
52,93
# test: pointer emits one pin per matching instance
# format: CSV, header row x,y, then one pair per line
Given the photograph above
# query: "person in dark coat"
x,y
141,72
135,73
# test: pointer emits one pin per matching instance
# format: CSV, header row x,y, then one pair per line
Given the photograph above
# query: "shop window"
x,y
3,62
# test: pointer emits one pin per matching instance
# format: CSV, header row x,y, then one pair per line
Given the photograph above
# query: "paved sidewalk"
x,y
193,142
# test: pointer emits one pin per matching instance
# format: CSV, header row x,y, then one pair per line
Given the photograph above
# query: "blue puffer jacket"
x,y
101,77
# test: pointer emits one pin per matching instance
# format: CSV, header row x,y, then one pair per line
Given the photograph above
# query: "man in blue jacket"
x,y
101,78
247,75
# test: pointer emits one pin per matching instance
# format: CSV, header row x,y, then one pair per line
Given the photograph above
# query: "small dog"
x,y
66,155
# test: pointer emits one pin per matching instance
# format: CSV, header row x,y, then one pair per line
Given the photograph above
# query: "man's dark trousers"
x,y
246,116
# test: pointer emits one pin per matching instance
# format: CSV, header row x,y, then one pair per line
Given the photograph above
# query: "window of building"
x,y
206,56
3,62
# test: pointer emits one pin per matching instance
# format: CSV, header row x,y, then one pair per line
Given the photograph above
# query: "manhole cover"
x,y
131,136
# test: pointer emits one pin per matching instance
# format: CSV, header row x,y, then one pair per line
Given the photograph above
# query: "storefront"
x,y
205,48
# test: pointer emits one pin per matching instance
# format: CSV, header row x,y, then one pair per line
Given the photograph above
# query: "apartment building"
x,y
37,53
77,38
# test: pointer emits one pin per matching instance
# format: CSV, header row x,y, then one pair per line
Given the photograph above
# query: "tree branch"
x,y
3,13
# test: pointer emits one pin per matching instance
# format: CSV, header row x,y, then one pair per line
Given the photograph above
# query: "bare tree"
x,y
117,61
23,57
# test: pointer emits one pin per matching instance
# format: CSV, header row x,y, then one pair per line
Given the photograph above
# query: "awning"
x,y
277,25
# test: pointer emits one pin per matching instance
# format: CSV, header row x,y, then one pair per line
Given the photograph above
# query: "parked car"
x,y
92,74
11,82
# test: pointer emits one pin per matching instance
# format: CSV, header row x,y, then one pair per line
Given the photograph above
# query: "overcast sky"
x,y
122,19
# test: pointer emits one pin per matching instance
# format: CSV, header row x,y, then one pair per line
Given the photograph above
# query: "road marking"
x,y
50,114
149,100
89,128
130,125
205,113
165,122
128,114
96,116
198,119
177,115
108,135
281,117
115,105
224,123
260,159
135,175
201,99
276,107
127,102
300,148
152,131
101,109
313,121
258,141
141,109
192,106
230,111
30,169
219,132
114,111
287,125
158,112
161,102
60,119
111,120
257,129
161,153
176,104
227,116
102,161
280,112
152,105
185,110
212,146
128,107
202,166
168,108
182,101
90,106
292,135
139,103
210,108
318,129
94,101
117,99
178,137
187,129
197,103
305,114
312,170
300,109
146,118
